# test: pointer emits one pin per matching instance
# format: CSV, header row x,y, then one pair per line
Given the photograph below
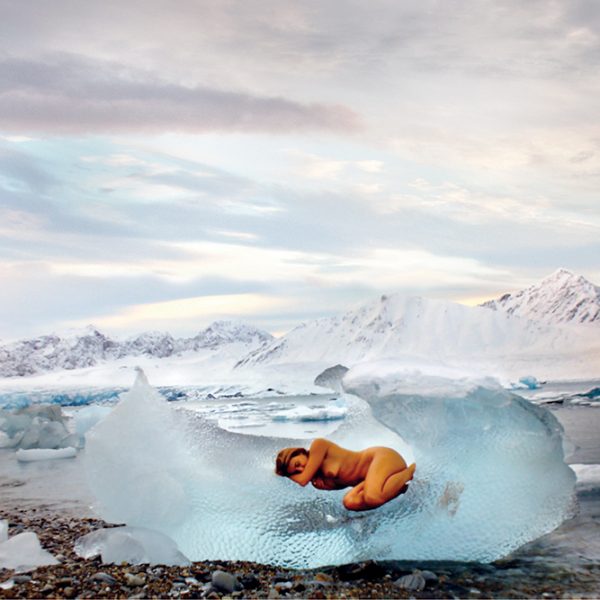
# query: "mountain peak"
x,y
560,298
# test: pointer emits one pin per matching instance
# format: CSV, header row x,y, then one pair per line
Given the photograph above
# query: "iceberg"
x,y
490,476
134,545
40,426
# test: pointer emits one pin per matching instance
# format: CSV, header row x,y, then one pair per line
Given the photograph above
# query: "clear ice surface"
x,y
490,477
23,552
134,545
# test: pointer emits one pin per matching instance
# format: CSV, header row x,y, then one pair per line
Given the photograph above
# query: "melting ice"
x,y
490,477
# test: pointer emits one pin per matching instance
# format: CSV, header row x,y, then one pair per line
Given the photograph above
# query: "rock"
x,y
323,578
69,592
21,578
249,581
415,582
132,579
283,585
104,578
363,570
332,377
429,576
225,582
299,587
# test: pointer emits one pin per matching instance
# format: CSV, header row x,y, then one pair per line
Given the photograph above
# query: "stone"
x,y
131,579
364,570
429,576
104,578
249,581
225,582
415,582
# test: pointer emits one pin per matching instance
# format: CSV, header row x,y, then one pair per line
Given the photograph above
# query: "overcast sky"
x,y
164,164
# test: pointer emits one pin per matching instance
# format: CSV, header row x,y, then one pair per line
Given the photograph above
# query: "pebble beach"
x,y
526,574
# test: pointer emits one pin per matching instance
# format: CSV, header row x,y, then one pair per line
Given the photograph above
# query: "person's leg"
x,y
386,478
354,499
396,484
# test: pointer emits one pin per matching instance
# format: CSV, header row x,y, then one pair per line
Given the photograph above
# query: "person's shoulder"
x,y
321,443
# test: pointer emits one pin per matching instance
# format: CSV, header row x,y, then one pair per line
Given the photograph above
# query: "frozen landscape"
x,y
499,411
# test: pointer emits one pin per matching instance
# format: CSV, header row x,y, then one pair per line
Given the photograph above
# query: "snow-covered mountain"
x,y
562,298
90,347
398,326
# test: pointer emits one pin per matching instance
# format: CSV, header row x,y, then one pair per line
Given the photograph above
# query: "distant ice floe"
x,y
528,382
133,545
23,551
587,474
39,426
35,454
490,475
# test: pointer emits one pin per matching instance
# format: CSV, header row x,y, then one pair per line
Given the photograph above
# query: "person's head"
x,y
291,461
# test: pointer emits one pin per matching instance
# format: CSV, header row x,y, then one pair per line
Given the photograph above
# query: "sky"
x,y
163,164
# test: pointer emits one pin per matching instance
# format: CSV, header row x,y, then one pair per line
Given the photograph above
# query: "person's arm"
x,y
316,454
322,483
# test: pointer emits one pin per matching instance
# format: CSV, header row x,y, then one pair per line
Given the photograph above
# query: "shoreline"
x,y
526,573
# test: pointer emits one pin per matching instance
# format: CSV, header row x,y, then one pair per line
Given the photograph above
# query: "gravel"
x,y
75,577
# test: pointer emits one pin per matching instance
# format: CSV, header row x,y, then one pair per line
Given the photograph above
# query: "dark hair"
x,y
284,457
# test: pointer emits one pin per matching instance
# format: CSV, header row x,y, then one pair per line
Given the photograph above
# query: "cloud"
x,y
200,309
71,95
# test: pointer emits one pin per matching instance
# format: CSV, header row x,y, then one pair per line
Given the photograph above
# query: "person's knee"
x,y
373,498
350,503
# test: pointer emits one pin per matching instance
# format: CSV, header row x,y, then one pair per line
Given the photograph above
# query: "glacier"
x,y
490,476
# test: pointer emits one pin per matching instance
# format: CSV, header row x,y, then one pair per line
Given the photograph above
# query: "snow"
x,y
23,552
490,475
36,454
418,329
561,298
229,357
133,545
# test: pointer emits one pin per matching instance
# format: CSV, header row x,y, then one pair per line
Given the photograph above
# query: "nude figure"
x,y
377,475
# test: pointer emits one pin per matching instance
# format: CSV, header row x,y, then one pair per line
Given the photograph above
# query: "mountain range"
x,y
90,347
560,314
414,327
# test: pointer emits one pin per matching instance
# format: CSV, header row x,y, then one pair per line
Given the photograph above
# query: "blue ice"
x,y
490,477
